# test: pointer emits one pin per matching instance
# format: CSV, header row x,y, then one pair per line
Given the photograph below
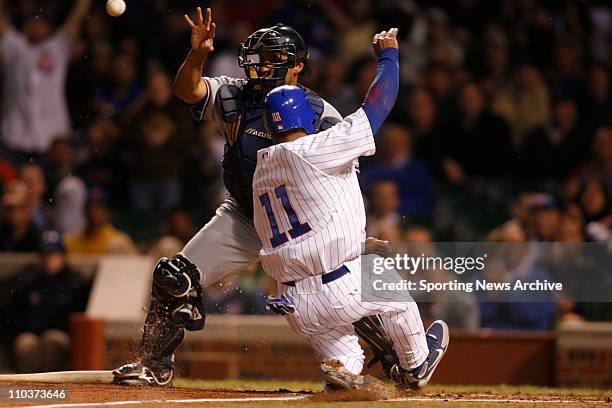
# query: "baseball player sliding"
x,y
310,217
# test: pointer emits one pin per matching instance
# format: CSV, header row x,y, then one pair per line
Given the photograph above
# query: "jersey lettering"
x,y
297,228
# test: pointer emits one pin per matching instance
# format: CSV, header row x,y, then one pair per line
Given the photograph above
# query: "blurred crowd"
x,y
502,130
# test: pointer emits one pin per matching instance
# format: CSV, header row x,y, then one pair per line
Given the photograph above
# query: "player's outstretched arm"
x,y
382,94
74,21
334,149
188,84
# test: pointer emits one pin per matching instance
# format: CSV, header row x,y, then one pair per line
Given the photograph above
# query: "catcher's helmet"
x,y
278,48
286,108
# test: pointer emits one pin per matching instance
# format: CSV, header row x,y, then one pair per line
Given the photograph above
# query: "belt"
x,y
328,277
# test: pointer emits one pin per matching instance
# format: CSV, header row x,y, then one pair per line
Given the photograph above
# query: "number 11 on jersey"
x,y
297,228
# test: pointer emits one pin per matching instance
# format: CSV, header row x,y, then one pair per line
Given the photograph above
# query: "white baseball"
x,y
115,7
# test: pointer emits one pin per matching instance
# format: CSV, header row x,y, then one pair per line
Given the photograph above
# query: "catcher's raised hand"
x,y
385,39
202,33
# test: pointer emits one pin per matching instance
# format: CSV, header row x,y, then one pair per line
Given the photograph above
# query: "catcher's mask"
x,y
268,53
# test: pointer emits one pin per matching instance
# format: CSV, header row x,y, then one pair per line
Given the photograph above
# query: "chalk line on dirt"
x,y
170,401
294,398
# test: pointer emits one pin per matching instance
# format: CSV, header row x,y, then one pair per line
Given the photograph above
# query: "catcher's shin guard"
x,y
176,304
370,330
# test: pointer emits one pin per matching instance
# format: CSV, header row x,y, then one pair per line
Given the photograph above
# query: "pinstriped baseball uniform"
x,y
310,217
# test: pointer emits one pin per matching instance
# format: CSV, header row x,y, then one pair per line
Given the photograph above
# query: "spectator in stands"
x,y
154,185
602,151
600,166
516,309
544,218
567,70
441,81
513,310
40,306
416,233
571,229
601,231
18,231
426,127
158,99
515,229
553,150
178,230
430,31
496,63
481,146
357,25
122,95
384,204
67,191
593,200
99,236
597,108
103,169
32,175
525,102
409,173
35,66
458,309
200,176
335,88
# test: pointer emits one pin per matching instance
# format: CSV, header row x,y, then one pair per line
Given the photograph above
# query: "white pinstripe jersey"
x,y
309,211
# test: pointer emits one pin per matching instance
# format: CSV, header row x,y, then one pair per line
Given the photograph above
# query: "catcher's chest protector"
x,y
248,134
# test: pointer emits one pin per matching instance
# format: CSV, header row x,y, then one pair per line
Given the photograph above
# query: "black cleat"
x,y
137,373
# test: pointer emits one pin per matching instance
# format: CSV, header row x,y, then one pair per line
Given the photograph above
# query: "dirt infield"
x,y
86,395
105,393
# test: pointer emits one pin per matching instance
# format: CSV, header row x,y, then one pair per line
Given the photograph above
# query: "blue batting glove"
x,y
280,305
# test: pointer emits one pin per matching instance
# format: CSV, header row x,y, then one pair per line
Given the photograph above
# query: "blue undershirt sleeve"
x,y
382,94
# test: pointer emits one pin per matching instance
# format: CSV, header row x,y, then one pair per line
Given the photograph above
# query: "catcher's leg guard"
x,y
176,304
370,330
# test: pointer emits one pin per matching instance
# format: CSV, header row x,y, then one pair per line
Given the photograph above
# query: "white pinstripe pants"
x,y
326,313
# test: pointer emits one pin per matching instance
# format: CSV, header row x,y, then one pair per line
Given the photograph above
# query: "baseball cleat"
x,y
338,378
138,374
329,388
437,341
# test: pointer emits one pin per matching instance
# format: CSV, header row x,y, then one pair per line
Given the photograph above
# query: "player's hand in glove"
x,y
385,39
377,246
280,305
202,33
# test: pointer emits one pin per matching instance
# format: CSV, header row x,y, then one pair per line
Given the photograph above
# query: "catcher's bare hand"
x,y
202,33
385,39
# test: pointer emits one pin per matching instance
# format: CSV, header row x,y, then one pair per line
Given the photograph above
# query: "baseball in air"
x,y
115,7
